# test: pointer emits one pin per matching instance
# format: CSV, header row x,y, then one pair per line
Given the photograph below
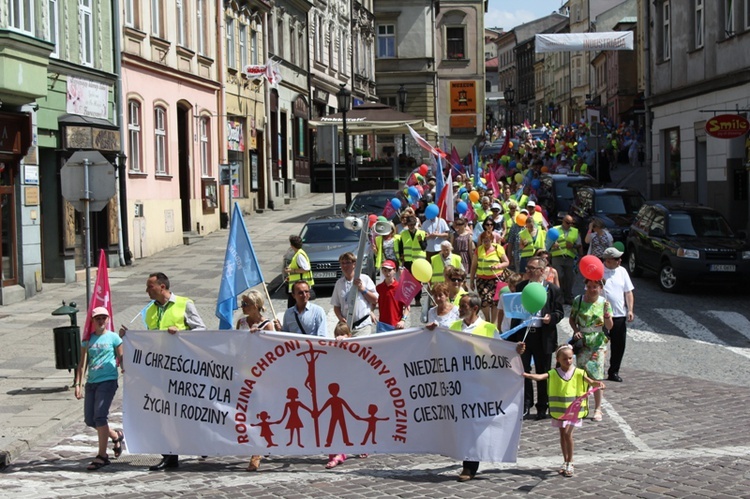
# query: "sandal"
x,y
254,463
569,470
597,415
363,456
563,468
101,463
337,459
117,443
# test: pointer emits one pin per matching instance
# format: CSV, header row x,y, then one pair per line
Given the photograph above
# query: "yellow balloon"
x,y
421,270
474,196
518,178
521,219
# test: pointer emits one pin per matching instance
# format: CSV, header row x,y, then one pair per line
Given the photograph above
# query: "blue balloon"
x,y
413,192
431,211
396,203
512,164
462,207
553,234
535,184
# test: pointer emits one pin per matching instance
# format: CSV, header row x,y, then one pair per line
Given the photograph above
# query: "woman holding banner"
x,y
486,269
444,313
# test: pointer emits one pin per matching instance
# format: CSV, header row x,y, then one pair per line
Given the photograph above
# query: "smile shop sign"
x,y
237,393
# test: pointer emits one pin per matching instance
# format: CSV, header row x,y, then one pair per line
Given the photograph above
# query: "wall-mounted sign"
x,y
31,196
87,98
463,123
463,97
727,126
235,137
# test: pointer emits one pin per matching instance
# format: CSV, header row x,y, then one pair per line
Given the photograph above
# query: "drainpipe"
x,y
221,105
267,127
647,96
126,257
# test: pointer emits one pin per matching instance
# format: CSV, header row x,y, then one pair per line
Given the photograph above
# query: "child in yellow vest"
x,y
565,384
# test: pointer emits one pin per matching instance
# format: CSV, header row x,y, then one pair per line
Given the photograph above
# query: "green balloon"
x,y
504,289
381,218
533,297
619,246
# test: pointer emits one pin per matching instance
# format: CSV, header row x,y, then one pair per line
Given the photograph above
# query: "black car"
x,y
617,208
556,192
684,242
372,202
324,239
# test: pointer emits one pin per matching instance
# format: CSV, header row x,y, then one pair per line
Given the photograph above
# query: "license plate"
x,y
324,275
723,268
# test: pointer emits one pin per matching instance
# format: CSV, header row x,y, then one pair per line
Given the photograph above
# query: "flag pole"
x,y
270,303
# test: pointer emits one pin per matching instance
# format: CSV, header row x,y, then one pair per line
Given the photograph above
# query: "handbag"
x,y
580,343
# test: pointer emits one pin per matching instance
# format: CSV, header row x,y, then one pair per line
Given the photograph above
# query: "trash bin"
x,y
67,339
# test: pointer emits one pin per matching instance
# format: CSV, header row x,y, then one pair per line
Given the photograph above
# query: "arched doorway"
x,y
184,112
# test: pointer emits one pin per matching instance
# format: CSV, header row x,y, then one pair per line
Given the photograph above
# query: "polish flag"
x,y
445,201
424,144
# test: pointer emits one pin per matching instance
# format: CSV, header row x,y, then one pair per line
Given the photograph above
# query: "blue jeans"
x,y
384,327
96,403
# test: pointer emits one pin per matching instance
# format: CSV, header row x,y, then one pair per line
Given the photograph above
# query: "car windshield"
x,y
698,224
329,232
618,204
369,203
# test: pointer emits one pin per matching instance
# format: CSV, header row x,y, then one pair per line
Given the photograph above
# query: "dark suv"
x,y
686,242
556,192
617,208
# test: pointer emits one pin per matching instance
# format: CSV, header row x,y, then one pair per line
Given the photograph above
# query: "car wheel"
x,y
668,278
633,267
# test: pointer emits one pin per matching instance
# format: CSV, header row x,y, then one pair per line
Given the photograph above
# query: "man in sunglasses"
x,y
564,253
303,317
618,290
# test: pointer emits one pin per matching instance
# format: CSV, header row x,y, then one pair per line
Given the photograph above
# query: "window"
x,y
254,47
728,18
320,39
698,24
231,57
243,46
270,37
666,34
157,17
87,32
386,40
673,163
131,13
182,26
22,15
134,136
341,52
160,140
54,26
454,47
292,45
205,130
280,41
747,14
302,60
201,16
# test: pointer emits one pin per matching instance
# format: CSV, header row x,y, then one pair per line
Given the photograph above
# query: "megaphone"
x,y
381,228
353,223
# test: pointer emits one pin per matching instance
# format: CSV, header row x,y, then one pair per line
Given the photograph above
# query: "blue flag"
x,y
439,178
475,159
241,270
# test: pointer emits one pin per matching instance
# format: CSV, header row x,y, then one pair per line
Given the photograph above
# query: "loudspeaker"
x,y
353,223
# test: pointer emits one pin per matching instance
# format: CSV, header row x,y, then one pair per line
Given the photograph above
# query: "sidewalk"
x,y
36,401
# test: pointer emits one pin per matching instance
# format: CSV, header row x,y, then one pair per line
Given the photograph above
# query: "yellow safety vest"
x,y
484,328
173,315
307,276
379,249
561,239
458,296
485,261
438,268
533,244
562,393
410,245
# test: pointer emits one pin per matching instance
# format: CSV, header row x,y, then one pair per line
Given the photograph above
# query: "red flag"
x,y
445,202
101,297
490,176
408,288
470,214
571,413
424,144
389,210
455,158
506,146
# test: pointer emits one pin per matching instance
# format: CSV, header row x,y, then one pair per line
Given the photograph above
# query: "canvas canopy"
x,y
566,42
375,118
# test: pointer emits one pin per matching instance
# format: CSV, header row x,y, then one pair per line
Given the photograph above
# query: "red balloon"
x,y
372,219
423,169
538,209
591,267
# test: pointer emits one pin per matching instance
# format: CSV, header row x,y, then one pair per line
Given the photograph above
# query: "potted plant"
x,y
358,155
366,154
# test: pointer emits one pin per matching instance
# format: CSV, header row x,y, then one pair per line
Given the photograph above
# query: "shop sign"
x,y
463,97
727,126
87,98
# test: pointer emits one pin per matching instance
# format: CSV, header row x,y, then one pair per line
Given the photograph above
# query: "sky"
x,y
508,14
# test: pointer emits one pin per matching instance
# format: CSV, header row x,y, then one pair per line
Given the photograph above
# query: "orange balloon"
x,y
510,144
521,219
545,169
474,196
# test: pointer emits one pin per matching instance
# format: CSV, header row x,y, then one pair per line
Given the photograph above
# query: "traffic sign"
x,y
101,180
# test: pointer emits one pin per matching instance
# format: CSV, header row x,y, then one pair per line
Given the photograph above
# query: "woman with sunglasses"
x,y
486,269
253,321
462,243
455,279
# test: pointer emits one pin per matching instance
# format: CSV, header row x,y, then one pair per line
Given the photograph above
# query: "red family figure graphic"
x,y
311,356
294,423
372,421
337,405
265,428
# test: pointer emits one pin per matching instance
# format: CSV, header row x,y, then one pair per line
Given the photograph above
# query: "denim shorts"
x,y
97,401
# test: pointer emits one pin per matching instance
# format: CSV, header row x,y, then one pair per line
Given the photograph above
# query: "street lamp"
x,y
344,98
509,95
402,93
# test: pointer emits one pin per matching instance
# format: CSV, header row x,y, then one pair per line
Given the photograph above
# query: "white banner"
x,y
237,393
614,40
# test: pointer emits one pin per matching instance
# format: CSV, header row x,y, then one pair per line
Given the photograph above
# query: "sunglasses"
x,y
534,268
457,279
246,303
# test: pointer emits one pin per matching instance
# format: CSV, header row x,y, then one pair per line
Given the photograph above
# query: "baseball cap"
x,y
496,206
99,311
389,264
530,205
611,252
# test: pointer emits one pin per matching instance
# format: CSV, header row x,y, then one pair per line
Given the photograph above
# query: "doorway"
x,y
183,151
7,226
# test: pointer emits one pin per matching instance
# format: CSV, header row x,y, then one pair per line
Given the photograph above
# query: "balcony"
x,y
24,60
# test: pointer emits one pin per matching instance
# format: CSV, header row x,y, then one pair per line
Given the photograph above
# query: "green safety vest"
x,y
410,245
563,393
458,296
307,276
484,328
485,261
379,249
572,237
533,244
173,314
438,268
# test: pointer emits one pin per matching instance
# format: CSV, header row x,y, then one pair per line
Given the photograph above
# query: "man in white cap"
x,y
537,215
618,291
